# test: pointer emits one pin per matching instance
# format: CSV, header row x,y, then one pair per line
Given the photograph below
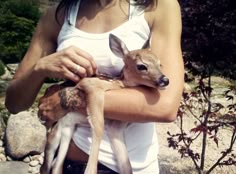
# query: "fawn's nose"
x,y
163,81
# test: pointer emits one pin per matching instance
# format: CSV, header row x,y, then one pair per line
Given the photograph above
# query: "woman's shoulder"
x,y
167,5
161,9
51,22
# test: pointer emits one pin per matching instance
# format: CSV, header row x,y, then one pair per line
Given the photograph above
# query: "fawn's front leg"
x,y
95,90
95,105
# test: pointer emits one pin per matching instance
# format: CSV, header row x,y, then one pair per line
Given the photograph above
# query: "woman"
x,y
75,44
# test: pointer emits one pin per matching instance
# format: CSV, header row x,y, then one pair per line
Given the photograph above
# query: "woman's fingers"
x,y
70,63
86,56
85,65
71,75
80,57
72,70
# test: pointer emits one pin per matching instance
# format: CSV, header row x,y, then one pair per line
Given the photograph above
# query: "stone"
x,y
1,143
31,169
9,158
24,135
40,159
2,157
9,72
34,163
7,75
35,157
13,167
36,170
2,150
26,159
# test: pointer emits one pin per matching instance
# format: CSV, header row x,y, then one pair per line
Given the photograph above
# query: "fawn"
x,y
141,68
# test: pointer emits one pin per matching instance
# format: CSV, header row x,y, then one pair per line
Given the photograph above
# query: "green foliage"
x,y
209,36
2,68
4,115
17,23
21,8
15,33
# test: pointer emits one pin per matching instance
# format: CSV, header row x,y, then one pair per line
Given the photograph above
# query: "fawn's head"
x,y
142,67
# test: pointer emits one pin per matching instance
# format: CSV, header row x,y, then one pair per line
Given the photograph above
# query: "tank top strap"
x,y
72,13
134,10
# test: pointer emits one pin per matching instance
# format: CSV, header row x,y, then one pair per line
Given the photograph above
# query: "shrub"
x,y
17,22
2,68
209,36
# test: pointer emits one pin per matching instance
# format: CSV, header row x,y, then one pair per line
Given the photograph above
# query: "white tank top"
x,y
141,138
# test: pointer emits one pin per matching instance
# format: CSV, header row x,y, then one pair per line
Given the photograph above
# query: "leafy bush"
x,y
2,68
15,33
17,22
4,115
209,36
21,8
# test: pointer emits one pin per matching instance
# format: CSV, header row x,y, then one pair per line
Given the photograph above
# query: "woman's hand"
x,y
71,63
58,101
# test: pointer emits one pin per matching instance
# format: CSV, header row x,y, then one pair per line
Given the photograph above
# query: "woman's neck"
x,y
104,3
101,3
94,18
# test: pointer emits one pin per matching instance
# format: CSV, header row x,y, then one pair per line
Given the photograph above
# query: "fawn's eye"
x,y
142,67
137,56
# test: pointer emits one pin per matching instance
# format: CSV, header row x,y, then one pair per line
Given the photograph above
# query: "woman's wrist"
x,y
39,69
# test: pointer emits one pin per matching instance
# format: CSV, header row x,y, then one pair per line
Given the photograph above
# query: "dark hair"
x,y
67,4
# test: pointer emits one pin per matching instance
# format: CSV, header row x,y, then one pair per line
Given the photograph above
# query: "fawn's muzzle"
x,y
163,81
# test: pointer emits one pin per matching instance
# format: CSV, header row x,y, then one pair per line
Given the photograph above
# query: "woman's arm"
x,y
26,83
41,61
141,104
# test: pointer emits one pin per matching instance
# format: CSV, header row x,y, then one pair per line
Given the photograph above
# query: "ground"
x,y
171,161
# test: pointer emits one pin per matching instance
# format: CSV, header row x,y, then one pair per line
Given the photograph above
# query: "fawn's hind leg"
x,y
53,140
66,135
116,136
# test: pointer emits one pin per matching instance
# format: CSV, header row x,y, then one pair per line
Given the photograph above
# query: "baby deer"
x,y
141,68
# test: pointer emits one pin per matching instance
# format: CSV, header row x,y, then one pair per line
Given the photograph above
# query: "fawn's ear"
x,y
117,46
